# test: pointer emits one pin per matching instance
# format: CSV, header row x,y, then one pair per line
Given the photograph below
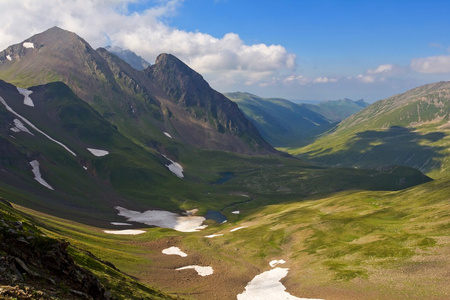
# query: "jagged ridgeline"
x,y
167,97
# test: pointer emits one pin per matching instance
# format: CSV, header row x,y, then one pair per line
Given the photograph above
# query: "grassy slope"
x,y
281,122
408,129
119,284
348,245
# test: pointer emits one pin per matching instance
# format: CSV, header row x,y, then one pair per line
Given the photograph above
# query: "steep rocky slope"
x,y
167,97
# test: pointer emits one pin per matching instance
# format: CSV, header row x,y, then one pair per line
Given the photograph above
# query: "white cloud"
x,y
381,69
366,78
431,65
324,80
103,22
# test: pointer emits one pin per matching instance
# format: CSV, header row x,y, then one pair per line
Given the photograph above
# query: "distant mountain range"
x,y
284,123
130,57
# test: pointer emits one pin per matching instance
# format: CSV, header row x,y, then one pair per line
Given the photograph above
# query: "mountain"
x,y
410,129
281,122
130,57
338,110
93,152
118,92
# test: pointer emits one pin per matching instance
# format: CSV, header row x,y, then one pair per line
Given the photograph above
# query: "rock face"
x,y
36,267
167,96
215,121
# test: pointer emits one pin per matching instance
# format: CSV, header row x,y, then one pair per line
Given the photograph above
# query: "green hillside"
x,y
408,129
338,110
347,245
281,122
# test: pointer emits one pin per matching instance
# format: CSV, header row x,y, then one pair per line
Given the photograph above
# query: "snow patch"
x,y
19,126
239,228
164,219
213,235
168,134
34,127
121,224
236,212
175,168
267,285
8,57
98,152
202,271
26,96
125,231
273,263
37,174
28,45
174,251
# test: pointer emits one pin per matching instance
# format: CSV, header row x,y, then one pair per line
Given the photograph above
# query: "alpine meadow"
x,y
125,178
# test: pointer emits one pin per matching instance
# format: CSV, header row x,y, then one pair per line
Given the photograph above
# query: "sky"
x,y
292,49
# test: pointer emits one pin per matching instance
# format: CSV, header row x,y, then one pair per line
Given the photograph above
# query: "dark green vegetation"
x,y
286,124
281,122
340,229
47,268
409,129
338,110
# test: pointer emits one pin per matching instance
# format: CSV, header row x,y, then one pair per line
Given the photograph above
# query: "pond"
x,y
225,177
216,216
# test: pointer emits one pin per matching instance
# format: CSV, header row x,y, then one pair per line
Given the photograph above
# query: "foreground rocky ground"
x,y
33,266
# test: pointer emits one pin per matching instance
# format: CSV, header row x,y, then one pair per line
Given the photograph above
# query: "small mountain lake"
x,y
216,216
225,177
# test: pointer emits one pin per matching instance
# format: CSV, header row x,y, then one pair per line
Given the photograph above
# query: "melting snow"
x,y
8,57
125,232
98,152
164,219
34,127
168,134
19,126
267,285
236,212
174,251
26,96
202,271
120,224
175,168
213,235
273,263
28,45
37,174
239,228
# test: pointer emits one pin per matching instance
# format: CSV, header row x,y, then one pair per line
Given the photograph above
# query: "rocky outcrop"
x,y
33,266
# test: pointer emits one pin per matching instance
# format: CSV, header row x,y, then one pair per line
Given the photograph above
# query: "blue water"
x,y
225,177
216,216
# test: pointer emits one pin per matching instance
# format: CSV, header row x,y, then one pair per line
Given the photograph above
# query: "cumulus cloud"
x,y
432,64
381,69
324,80
110,22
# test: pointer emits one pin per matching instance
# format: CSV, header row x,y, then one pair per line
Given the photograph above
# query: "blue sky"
x,y
311,50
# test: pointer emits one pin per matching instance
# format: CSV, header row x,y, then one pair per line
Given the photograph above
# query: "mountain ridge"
x,y
407,129
60,55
